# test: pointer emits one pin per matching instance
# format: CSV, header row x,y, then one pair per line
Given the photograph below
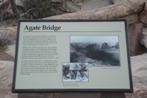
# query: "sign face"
x,y
72,56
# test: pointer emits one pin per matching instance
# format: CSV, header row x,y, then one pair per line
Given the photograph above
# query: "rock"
x,y
93,4
11,50
144,37
6,74
11,31
3,3
8,35
139,67
71,7
56,1
82,5
118,1
143,15
134,33
5,10
139,70
110,12
78,1
132,18
18,3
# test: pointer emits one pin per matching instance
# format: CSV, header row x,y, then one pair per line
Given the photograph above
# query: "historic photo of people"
x,y
95,50
75,72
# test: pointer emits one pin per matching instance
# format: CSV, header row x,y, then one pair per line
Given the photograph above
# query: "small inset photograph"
x,y
95,50
75,72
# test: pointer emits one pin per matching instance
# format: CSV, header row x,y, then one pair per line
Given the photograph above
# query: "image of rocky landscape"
x,y
135,11
95,50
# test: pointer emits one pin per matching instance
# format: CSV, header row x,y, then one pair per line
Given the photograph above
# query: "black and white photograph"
x,y
75,72
95,50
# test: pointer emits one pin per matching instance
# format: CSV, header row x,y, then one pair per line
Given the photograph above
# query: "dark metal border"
x,y
73,90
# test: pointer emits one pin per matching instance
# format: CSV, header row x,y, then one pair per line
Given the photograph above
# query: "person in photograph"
x,y
67,73
66,70
83,71
75,71
72,75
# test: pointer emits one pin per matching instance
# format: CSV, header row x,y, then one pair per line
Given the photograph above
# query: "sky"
x,y
97,39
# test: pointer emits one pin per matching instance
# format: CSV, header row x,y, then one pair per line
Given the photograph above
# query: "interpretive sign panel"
x,y
72,56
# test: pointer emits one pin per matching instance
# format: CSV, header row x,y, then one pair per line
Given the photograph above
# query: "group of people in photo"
x,y
75,72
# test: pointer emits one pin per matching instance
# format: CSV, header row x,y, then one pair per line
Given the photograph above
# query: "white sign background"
x,y
101,78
